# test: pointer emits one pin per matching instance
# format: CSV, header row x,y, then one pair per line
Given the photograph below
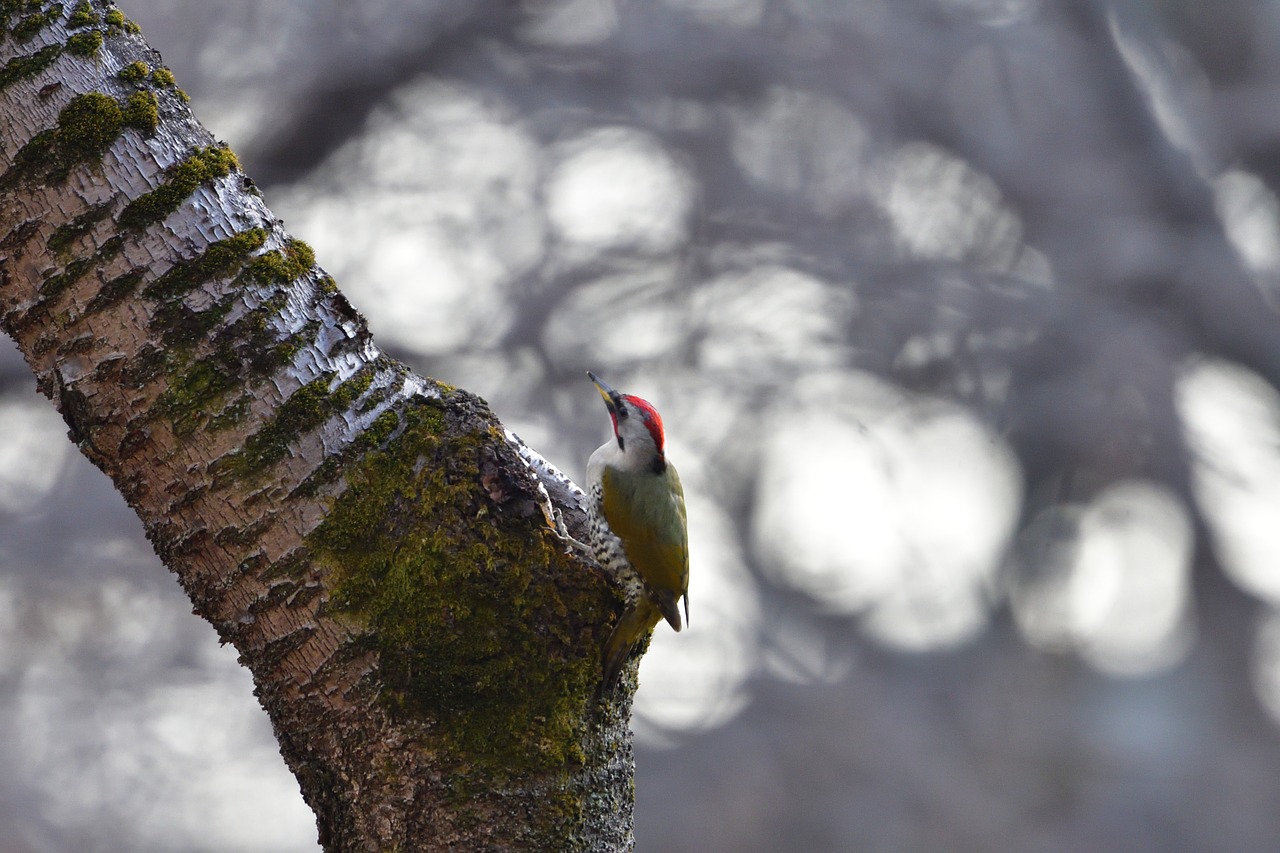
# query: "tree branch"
x,y
382,555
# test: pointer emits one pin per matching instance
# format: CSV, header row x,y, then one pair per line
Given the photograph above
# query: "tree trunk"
x,y
380,552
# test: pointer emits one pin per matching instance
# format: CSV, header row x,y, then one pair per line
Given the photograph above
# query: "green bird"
x,y
637,524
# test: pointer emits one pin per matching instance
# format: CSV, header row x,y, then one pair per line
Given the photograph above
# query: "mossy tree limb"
x,y
370,541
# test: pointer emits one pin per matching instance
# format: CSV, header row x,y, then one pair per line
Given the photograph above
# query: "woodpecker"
x,y
637,524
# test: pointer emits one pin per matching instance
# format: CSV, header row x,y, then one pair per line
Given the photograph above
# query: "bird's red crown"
x,y
652,420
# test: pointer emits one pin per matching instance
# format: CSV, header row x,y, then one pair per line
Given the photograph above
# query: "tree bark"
x,y
381,553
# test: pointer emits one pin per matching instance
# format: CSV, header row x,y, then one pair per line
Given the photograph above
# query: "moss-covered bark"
x,y
427,648
471,627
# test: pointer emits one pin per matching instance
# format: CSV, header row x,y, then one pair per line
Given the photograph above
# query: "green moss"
x,y
27,28
381,428
376,398
38,150
10,8
255,327
253,340
142,112
20,234
185,400
86,128
71,273
84,44
250,346
110,247
283,265
283,352
348,392
234,535
22,67
205,165
114,291
163,78
241,353
134,72
307,408
231,414
471,633
82,16
149,363
65,235
196,389
373,436
180,326
116,20
218,259
55,285
293,565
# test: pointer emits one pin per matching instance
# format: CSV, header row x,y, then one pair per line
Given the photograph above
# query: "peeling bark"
x,y
379,551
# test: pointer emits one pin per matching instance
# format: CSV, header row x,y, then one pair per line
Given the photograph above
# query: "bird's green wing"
x,y
647,513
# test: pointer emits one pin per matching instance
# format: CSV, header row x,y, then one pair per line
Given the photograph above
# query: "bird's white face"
x,y
638,428
639,441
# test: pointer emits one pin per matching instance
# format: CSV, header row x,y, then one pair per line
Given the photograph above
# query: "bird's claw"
x,y
567,538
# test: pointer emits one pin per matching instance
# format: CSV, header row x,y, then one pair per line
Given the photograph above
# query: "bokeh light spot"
x,y
1250,213
631,317
569,22
111,744
766,322
874,500
1110,579
736,13
941,208
445,182
1128,594
1266,663
1232,423
801,143
30,462
617,187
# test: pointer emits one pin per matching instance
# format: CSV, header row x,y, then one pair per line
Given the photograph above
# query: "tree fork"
x,y
381,554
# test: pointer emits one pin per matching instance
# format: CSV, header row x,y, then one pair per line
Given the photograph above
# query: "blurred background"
x,y
960,316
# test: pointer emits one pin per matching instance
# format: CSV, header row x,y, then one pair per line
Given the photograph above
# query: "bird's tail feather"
x,y
636,621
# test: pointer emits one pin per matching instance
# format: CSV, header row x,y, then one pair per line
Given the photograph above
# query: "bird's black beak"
x,y
610,396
